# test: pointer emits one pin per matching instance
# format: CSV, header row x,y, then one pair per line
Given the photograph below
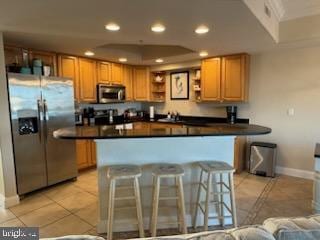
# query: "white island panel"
x,y
146,151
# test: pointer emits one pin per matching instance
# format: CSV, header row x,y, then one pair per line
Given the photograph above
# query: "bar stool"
x,y
117,172
214,170
166,170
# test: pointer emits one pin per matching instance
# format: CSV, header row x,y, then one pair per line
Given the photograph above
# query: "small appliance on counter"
x,y
231,114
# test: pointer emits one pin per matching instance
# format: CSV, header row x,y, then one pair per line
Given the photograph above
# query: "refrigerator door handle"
x,y
40,117
45,110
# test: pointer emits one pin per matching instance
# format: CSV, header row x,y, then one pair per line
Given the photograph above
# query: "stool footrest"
x,y
124,198
168,198
124,208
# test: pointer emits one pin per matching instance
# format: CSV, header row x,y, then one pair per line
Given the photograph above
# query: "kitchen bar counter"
x,y
147,143
156,129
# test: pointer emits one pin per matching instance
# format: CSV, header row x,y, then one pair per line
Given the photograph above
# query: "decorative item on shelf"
x,y
158,86
198,74
179,85
158,78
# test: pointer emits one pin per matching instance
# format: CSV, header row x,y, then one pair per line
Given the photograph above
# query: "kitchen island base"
x,y
147,151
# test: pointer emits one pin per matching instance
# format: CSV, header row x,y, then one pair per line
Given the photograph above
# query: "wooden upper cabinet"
x,y
87,79
104,72
116,73
13,55
210,79
69,67
141,83
128,81
48,59
234,78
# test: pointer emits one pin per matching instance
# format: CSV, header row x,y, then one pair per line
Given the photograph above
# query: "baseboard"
x,y
9,201
295,172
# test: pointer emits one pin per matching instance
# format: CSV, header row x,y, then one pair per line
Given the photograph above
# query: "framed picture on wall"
x,y
179,85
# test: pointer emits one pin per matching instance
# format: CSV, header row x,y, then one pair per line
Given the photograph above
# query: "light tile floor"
x,y
71,208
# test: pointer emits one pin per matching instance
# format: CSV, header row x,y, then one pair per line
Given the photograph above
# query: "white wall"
x,y
8,196
279,81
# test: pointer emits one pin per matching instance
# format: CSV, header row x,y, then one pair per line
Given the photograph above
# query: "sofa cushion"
x,y
251,233
76,237
304,228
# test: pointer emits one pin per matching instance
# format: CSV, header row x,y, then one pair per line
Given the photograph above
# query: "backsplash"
x,y
121,107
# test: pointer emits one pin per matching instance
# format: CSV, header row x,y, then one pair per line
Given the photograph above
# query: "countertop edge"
x,y
266,131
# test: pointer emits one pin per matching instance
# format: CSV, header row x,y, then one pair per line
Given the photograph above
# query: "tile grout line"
x,y
260,202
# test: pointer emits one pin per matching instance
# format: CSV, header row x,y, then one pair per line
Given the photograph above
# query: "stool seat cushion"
x,y
123,171
167,170
215,166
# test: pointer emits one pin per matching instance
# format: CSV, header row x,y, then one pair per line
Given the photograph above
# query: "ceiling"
x,y
75,26
292,9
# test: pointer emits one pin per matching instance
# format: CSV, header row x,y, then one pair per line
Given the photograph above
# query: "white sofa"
x,y
299,228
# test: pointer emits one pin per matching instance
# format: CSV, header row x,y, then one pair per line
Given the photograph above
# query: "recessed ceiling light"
x,y
122,59
158,28
89,53
203,54
202,29
159,60
112,27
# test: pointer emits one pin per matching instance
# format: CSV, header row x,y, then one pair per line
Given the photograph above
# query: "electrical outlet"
x,y
290,111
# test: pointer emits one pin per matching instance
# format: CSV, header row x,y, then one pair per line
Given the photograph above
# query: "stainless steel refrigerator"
x,y
39,105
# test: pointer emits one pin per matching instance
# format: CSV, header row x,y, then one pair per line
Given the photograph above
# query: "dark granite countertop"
x,y
156,129
317,151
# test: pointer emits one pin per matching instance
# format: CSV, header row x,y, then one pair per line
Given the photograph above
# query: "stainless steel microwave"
x,y
110,93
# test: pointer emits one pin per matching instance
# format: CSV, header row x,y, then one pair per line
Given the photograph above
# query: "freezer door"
x,y
58,102
29,155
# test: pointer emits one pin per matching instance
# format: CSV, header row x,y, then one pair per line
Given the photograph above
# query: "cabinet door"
x,y
141,83
48,59
93,153
116,73
128,81
210,79
69,68
83,153
87,80
239,162
13,55
234,78
104,72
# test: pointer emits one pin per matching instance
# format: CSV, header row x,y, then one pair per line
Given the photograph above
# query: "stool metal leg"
x,y
182,207
155,205
111,207
138,204
221,207
197,201
208,193
232,200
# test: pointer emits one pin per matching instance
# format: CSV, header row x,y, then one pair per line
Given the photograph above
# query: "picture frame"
x,y
179,85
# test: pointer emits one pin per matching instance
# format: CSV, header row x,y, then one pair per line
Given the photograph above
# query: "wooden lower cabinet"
x,y
240,144
85,154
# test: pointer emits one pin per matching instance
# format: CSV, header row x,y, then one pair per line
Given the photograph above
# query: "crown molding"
x,y
277,8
